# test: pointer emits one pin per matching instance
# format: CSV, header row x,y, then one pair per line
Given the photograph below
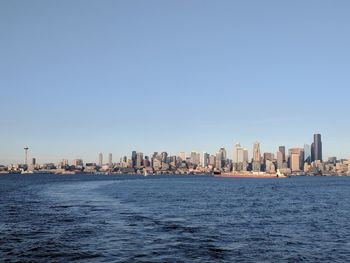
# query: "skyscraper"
x,y
316,148
296,156
100,159
139,159
307,153
110,160
205,159
133,158
282,149
256,157
256,152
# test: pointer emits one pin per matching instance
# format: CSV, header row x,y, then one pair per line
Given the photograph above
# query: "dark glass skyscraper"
x,y
316,148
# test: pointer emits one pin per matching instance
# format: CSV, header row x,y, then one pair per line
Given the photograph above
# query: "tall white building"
x,y
205,159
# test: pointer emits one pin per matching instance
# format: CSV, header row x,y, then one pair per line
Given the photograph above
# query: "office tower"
x,y
256,157
182,155
317,148
245,155
282,149
139,159
240,158
212,160
133,158
194,157
110,160
26,155
256,152
146,162
296,156
100,159
33,161
223,153
268,157
307,153
280,160
236,148
205,160
218,160
164,157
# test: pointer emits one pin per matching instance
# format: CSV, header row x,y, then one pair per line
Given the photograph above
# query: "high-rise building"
x,y
256,157
100,159
110,160
280,160
316,148
139,159
307,153
282,149
236,149
205,159
33,161
256,152
240,158
133,158
218,160
194,158
296,156
223,153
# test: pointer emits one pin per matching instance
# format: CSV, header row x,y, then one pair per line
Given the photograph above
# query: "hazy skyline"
x,y
83,77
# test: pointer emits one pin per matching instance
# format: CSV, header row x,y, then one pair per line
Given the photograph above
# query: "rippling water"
x,y
52,218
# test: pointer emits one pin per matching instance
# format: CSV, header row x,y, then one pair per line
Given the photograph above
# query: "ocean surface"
x,y
94,218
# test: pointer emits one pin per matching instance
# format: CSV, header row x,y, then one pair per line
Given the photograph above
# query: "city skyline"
x,y
239,153
85,77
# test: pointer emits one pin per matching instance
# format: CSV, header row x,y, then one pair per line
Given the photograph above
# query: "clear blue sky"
x,y
80,77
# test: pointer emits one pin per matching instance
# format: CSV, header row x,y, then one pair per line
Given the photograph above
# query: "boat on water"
x,y
280,175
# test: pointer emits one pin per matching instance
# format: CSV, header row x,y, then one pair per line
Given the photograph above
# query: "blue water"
x,y
85,218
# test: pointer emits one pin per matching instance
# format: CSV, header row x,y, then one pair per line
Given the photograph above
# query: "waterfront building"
x,y
33,161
